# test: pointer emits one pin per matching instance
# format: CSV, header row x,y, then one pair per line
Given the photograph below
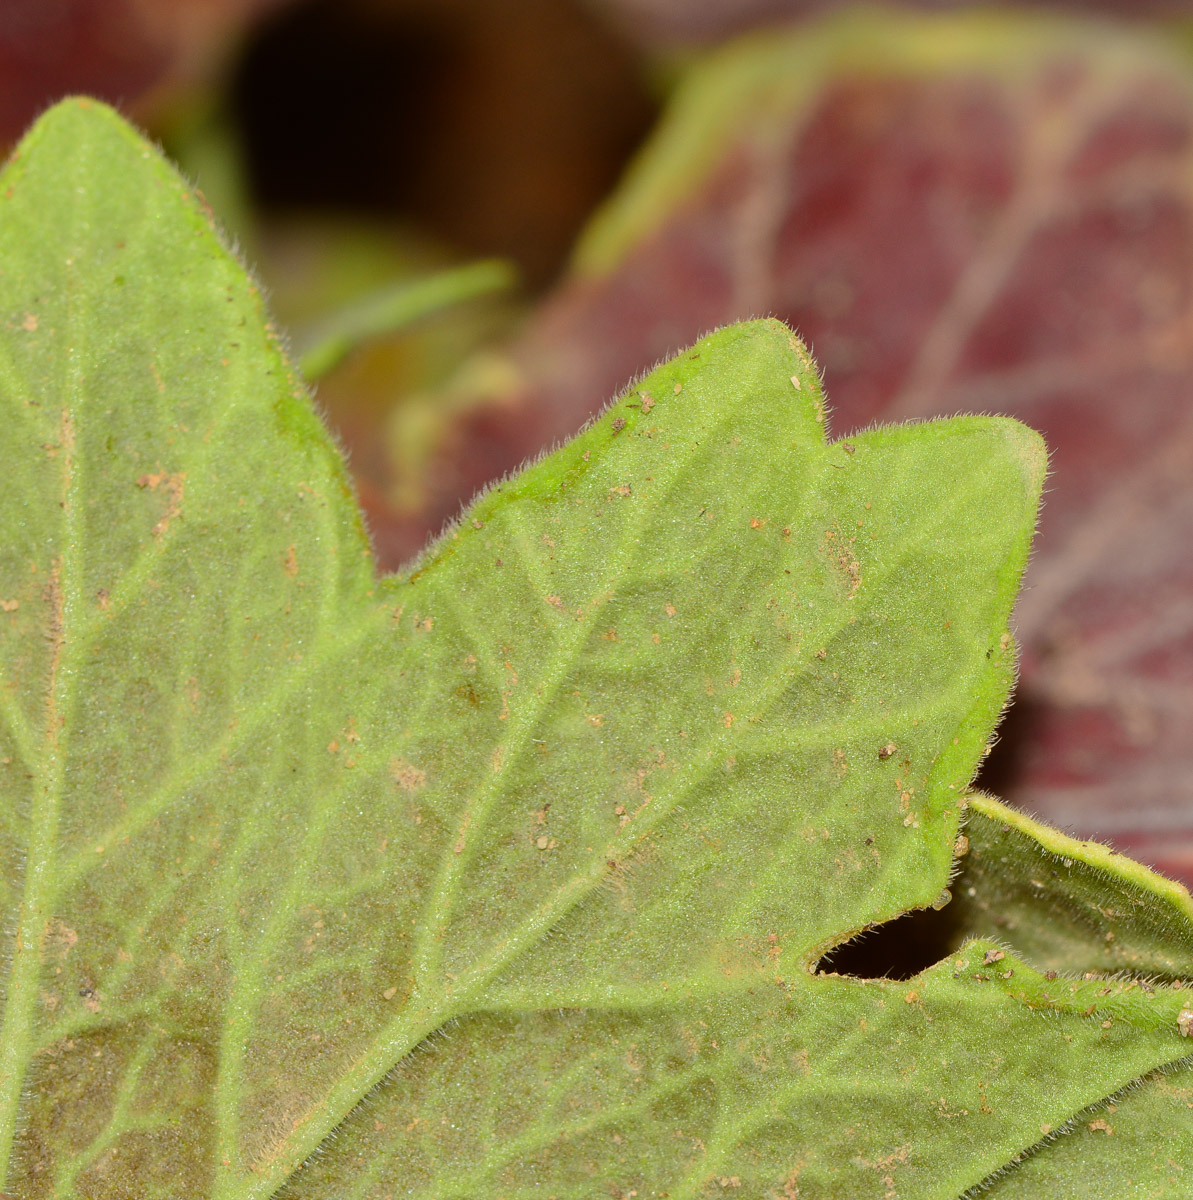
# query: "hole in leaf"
x,y
898,949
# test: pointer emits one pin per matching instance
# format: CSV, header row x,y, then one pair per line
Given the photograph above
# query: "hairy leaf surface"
x,y
984,210
507,875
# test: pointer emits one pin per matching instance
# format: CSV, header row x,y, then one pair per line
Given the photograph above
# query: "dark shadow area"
x,y
495,128
1006,764
899,949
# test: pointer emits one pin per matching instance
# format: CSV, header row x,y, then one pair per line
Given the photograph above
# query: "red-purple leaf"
x,y
689,21
119,50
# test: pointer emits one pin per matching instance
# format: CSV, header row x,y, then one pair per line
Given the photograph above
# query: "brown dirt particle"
x,y
407,776
461,840
61,939
174,485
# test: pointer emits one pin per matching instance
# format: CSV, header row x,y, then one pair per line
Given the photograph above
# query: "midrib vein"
x,y
428,953
16,1041
251,965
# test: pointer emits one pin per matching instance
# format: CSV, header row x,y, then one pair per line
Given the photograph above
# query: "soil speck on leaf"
x,y
839,550
173,485
61,939
407,776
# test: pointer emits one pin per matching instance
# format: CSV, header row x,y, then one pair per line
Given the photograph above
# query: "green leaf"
x,y
1139,1144
506,876
1080,906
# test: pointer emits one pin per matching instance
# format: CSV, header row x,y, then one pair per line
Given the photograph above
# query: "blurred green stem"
x,y
397,306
